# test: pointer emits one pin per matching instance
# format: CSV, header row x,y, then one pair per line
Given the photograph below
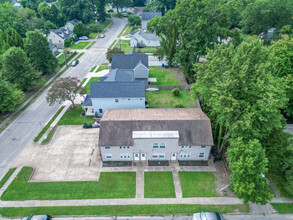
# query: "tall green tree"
x,y
134,19
262,15
101,10
16,69
38,51
10,96
81,29
248,163
118,4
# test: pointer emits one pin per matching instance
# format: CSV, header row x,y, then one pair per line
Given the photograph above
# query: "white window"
x,y
203,146
155,155
101,111
125,156
185,155
128,156
201,155
155,145
162,145
116,100
108,156
186,147
162,156
93,111
107,148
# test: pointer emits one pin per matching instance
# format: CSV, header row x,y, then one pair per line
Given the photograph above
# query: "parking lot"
x,y
72,155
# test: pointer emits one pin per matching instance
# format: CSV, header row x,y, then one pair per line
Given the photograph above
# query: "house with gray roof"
x,y
70,24
114,95
143,38
147,16
58,36
155,134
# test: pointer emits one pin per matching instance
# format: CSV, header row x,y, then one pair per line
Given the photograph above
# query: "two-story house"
x,y
58,36
70,24
155,134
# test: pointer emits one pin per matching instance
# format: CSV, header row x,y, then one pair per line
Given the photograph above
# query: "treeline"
x,y
245,85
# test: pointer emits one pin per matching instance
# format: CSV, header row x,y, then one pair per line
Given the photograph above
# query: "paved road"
x,y
22,131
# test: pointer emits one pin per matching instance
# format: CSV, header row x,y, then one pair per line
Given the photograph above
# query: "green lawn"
x,y
6,177
61,57
103,25
283,208
123,210
92,43
92,70
129,29
43,131
49,136
127,48
165,99
102,67
93,35
279,182
158,185
123,30
83,81
110,185
164,77
79,45
88,85
198,184
72,117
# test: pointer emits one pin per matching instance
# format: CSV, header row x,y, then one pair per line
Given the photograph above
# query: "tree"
x,y
175,92
64,89
38,51
134,19
48,25
110,53
160,5
101,10
16,39
17,69
120,4
138,3
10,96
262,15
81,30
248,163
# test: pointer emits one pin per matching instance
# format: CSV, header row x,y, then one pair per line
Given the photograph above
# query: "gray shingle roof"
x,y
87,102
193,125
150,15
149,36
74,21
129,61
62,32
119,76
117,89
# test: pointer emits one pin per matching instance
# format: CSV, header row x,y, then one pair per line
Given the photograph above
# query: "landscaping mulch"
x,y
158,163
192,163
117,163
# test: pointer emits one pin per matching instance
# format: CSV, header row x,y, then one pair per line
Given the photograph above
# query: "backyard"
x,y
61,57
110,185
72,117
127,48
164,76
165,99
79,45
158,185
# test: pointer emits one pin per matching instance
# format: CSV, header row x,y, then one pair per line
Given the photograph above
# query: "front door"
x,y
143,156
136,156
173,156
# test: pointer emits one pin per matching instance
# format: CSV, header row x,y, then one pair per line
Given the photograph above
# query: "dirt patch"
x,y
177,72
223,179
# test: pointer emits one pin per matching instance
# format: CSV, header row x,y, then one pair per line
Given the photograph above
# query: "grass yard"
x,y
72,117
92,43
110,185
123,210
158,185
92,70
279,182
6,177
88,85
123,30
61,57
102,67
283,208
93,35
83,81
103,25
198,184
127,48
79,45
165,99
129,29
164,77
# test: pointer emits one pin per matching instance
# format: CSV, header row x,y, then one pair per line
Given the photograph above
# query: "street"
x,y
21,132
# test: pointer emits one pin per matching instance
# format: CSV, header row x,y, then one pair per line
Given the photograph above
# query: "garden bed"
x,y
192,163
117,163
160,163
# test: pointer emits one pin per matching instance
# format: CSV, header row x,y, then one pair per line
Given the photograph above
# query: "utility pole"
x,y
65,57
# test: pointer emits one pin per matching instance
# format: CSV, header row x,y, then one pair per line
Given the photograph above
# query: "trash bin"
x,y
163,65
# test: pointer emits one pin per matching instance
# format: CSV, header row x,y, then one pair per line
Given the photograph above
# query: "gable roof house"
x,y
155,134
53,47
123,87
58,36
147,16
145,39
70,24
17,4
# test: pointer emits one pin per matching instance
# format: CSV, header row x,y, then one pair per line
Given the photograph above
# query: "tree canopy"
x,y
81,29
134,19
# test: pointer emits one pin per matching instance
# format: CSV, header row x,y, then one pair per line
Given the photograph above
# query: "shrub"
x,y
134,19
67,42
81,30
179,106
176,92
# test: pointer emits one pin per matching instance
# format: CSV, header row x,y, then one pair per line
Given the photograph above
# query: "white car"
x,y
102,36
83,38
207,216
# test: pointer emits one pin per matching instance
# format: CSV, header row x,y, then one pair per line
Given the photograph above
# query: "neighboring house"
x,y
16,4
70,24
268,35
145,39
147,16
155,134
53,47
114,95
58,36
132,67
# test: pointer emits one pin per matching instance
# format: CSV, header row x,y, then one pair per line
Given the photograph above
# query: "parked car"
x,y
110,10
37,217
207,216
102,36
75,62
83,38
128,36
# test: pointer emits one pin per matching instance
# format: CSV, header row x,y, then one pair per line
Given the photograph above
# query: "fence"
x,y
169,87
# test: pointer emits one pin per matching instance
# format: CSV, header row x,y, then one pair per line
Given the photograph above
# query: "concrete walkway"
x,y
9,181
